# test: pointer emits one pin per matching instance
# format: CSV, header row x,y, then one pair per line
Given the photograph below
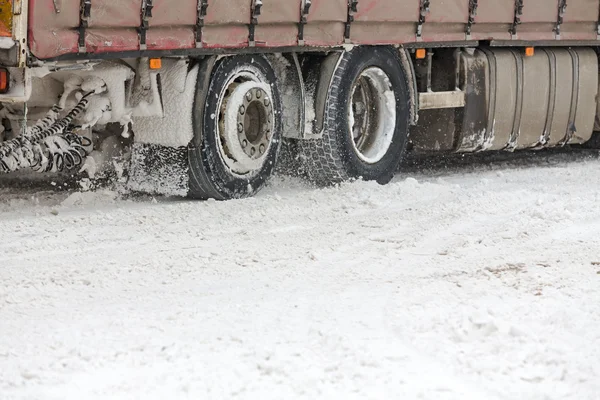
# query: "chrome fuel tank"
x,y
514,101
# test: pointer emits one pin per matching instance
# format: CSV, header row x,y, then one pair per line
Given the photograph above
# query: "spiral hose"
x,y
50,145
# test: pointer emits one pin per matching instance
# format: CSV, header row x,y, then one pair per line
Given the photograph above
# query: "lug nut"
x,y
244,143
253,151
242,110
249,96
258,94
240,127
262,149
267,101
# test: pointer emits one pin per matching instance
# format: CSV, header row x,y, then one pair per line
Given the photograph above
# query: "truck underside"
x,y
205,92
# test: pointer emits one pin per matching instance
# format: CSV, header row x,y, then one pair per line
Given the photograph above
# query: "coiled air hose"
x,y
48,146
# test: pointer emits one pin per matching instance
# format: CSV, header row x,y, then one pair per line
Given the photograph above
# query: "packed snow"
x,y
173,126
470,279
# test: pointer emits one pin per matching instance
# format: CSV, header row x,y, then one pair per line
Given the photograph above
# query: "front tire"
x,y
237,129
366,120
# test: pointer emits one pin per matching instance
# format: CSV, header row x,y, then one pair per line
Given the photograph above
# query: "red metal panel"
x,y
385,21
111,40
541,11
328,11
52,45
52,34
538,20
280,11
114,23
113,26
225,36
276,35
170,38
497,11
493,20
174,13
115,14
446,20
387,11
226,23
172,25
580,21
326,23
448,11
278,23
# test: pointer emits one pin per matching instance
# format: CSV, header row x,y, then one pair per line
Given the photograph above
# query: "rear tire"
x,y
237,129
366,122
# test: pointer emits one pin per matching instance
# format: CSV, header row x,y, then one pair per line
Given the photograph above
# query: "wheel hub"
x,y
372,115
254,121
246,123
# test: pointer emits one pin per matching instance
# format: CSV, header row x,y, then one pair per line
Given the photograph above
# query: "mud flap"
x,y
159,156
157,169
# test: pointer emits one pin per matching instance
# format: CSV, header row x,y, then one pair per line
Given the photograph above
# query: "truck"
x,y
204,93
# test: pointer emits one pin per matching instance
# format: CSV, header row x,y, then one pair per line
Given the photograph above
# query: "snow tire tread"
x,y
328,160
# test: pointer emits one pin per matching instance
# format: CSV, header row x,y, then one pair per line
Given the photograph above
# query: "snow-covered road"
x,y
476,281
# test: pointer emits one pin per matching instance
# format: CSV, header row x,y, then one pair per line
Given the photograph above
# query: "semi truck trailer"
x,y
207,91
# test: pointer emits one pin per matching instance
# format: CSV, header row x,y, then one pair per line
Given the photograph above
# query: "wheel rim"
x,y
372,115
246,122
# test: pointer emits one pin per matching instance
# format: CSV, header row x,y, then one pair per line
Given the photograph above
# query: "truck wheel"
x,y
237,128
366,120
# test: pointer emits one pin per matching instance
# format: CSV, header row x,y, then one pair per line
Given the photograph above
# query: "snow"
x,y
174,127
310,116
382,130
19,89
7,43
158,169
109,77
468,280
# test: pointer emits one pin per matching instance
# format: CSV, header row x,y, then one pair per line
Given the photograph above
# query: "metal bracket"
x,y
411,80
352,9
19,31
472,14
562,10
424,9
147,7
85,12
57,6
518,116
318,81
572,128
17,7
304,11
201,14
545,139
517,19
256,11
294,97
439,100
492,96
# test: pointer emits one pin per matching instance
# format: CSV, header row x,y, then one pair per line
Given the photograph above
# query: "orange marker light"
x,y
421,54
4,80
529,51
155,63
